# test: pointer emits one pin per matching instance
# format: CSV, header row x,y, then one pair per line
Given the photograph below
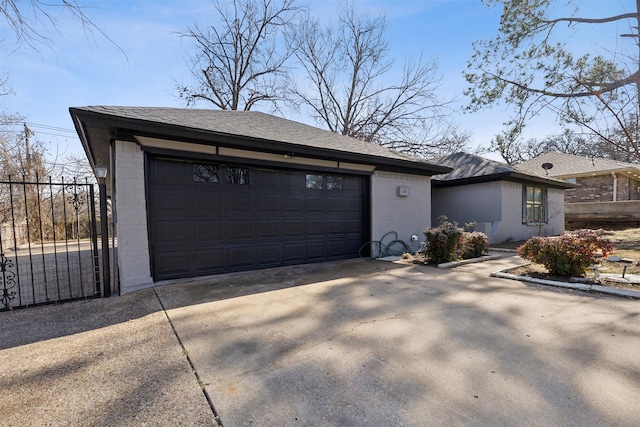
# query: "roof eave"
x,y
125,128
506,176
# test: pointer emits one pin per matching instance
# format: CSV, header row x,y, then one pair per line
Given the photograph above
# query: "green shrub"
x,y
448,242
443,241
567,255
473,244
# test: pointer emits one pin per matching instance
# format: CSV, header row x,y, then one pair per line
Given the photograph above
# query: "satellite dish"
x,y
546,167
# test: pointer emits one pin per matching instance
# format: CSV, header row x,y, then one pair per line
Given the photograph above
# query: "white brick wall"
x,y
404,215
131,211
479,202
496,207
514,229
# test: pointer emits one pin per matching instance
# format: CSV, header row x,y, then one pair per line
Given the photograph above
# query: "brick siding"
x,y
133,245
599,188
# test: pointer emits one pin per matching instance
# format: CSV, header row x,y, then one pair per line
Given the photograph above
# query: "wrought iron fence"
x,y
48,242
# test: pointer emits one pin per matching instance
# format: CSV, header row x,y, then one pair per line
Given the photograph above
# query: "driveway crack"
x,y
216,417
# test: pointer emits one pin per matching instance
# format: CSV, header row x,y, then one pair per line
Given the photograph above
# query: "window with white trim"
x,y
534,204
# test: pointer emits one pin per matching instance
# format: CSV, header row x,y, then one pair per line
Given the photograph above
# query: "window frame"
x,y
237,175
210,173
534,205
324,181
314,181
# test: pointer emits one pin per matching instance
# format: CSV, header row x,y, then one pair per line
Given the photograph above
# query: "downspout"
x,y
615,186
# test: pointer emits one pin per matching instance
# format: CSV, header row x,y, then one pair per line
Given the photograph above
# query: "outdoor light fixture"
x,y
101,170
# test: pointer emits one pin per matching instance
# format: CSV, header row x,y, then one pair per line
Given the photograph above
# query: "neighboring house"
x,y
199,192
608,190
503,202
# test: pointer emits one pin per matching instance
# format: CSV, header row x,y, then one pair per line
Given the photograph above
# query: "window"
x,y
534,204
571,180
238,176
334,182
205,173
314,182
321,182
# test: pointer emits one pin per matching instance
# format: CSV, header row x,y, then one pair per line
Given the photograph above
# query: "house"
x,y
199,192
608,191
504,202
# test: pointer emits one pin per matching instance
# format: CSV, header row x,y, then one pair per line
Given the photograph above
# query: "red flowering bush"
x,y
567,255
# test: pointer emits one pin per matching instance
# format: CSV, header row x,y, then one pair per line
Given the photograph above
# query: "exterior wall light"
x,y
101,170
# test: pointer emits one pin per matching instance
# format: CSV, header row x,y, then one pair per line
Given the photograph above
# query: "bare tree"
x,y
531,68
348,88
33,20
568,142
435,140
240,62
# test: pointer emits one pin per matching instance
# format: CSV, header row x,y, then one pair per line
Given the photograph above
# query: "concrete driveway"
x,y
355,343
369,343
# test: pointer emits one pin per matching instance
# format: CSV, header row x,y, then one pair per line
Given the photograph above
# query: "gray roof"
x,y
469,169
96,125
567,165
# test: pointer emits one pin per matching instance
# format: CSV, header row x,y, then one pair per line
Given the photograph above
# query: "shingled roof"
x,y
568,165
470,169
251,130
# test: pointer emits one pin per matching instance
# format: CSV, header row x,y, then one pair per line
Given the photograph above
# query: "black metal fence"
x,y
48,242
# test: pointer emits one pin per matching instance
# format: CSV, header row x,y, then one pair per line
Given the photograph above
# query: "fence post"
x,y
104,236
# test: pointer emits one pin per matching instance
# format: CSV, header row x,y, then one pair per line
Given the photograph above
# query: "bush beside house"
x,y
448,242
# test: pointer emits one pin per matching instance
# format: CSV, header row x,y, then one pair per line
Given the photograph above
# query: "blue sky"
x,y
81,69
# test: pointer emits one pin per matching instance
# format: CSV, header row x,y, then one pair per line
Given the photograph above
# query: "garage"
x,y
195,192
208,218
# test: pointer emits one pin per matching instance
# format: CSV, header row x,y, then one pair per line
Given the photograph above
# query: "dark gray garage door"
x,y
210,218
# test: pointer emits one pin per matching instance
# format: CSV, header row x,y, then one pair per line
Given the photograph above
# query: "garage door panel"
x,y
352,205
240,256
237,201
315,227
269,255
293,252
315,203
208,231
335,226
352,245
269,202
353,226
293,227
214,224
167,231
315,250
291,180
268,229
172,173
208,260
206,201
171,263
168,200
239,229
265,179
335,248
354,185
293,203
